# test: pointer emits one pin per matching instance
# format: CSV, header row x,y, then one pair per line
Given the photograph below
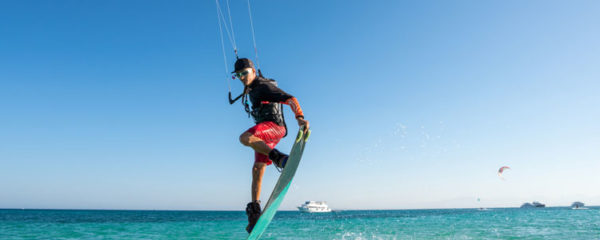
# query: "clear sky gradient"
x,y
413,104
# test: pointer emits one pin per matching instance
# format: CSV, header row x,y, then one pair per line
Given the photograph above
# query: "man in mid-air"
x,y
270,128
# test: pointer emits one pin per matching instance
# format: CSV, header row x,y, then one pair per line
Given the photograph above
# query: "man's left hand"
x,y
303,122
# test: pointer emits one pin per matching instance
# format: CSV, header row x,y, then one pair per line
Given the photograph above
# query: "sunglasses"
x,y
241,74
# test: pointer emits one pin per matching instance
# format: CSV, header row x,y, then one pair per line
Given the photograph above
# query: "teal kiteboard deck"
x,y
282,186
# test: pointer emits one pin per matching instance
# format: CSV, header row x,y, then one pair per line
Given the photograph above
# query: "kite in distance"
x,y
501,170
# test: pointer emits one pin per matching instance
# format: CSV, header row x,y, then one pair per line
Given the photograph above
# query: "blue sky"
x,y
123,105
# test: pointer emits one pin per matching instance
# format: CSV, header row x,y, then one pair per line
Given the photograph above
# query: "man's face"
x,y
246,75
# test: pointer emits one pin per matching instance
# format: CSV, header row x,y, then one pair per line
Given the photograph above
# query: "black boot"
x,y
279,158
253,211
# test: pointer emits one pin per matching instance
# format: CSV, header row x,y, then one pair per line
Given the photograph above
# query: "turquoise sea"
x,y
503,223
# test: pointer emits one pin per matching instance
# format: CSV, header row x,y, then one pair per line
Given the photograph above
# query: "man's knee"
x,y
259,166
245,138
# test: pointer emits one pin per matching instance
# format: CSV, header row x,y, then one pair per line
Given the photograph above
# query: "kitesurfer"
x,y
270,128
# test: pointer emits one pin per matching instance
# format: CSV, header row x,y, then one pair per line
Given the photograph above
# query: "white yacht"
x,y
534,204
314,206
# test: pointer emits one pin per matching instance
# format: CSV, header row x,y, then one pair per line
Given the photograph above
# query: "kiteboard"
x,y
282,185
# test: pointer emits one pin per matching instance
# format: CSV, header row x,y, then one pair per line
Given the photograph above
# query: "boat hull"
x,y
308,210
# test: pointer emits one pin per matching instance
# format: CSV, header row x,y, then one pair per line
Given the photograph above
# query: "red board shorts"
x,y
270,133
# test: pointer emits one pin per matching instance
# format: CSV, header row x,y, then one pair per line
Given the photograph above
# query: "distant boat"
x,y
534,204
538,204
314,207
527,205
578,206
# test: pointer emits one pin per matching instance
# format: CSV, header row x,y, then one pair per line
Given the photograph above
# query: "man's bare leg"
x,y
255,143
258,170
253,208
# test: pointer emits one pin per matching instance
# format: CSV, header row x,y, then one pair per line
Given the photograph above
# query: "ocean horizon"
x,y
283,210
473,223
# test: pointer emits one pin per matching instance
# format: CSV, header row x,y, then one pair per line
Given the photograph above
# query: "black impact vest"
x,y
266,100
